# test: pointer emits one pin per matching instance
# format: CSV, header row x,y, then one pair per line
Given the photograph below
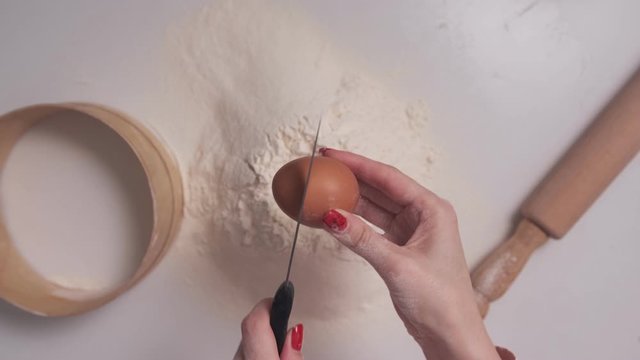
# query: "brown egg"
x,y
332,186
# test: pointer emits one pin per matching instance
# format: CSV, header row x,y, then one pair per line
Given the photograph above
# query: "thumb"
x,y
355,234
292,349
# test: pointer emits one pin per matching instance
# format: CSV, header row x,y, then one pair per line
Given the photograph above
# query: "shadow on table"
x,y
17,318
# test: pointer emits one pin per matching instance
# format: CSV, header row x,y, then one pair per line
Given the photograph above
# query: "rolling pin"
x,y
565,194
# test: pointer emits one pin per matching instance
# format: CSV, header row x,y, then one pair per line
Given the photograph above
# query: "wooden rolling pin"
x,y
573,184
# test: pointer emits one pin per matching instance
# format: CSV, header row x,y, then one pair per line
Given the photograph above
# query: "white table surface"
x,y
510,84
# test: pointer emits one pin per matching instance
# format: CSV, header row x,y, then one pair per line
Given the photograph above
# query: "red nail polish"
x,y
323,150
335,220
296,337
505,354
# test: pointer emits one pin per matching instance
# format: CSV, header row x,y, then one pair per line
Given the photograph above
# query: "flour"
x,y
263,75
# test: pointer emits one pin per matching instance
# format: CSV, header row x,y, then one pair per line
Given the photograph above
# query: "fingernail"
x,y
335,220
505,354
323,150
296,337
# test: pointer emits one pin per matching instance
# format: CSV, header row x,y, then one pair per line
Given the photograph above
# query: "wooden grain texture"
x,y
20,284
589,166
565,194
496,273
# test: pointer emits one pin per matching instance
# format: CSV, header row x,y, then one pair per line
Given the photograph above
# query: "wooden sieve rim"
x,y
20,284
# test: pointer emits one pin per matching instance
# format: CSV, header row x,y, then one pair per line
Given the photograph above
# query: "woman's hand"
x,y
419,256
258,341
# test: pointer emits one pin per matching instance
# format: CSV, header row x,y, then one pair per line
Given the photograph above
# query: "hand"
x,y
419,256
258,341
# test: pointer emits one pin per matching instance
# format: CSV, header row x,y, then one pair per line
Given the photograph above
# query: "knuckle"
x,y
407,269
440,210
360,238
395,172
396,269
248,325
445,208
391,171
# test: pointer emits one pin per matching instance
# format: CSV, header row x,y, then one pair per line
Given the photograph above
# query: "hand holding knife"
x,y
283,299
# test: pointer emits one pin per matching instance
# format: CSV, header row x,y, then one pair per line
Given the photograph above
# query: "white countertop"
x,y
509,83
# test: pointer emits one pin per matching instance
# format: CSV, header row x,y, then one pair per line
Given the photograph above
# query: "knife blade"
x,y
283,299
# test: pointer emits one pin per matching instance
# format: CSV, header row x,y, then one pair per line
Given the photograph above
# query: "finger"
x,y
239,355
352,232
373,213
292,349
258,341
377,197
389,180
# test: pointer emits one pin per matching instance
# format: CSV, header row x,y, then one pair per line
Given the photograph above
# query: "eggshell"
x,y
332,186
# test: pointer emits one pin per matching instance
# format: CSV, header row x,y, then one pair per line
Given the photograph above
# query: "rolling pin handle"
x,y
496,272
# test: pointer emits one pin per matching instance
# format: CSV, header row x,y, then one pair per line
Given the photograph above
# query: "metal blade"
x,y
304,195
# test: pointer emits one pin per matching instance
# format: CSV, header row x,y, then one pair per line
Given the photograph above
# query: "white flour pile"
x,y
262,75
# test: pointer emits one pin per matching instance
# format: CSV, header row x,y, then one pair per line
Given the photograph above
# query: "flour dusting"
x,y
264,75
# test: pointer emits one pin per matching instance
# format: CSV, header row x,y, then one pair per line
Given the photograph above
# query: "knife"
x,y
283,299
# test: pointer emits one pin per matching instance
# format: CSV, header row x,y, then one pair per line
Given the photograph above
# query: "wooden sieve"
x,y
25,288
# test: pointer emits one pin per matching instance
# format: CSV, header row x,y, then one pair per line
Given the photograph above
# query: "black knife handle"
x,y
280,311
